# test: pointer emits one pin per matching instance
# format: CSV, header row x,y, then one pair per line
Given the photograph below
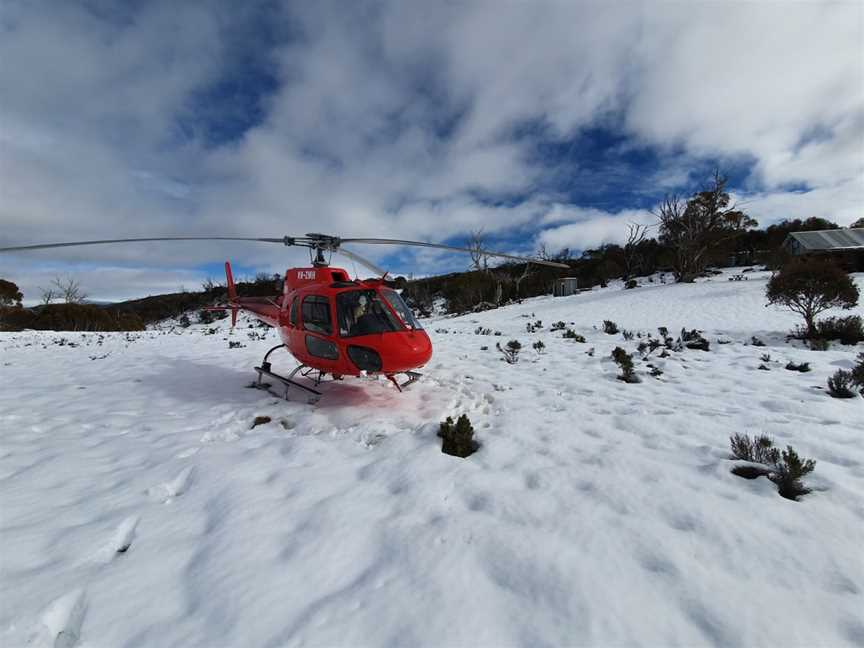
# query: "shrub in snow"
x,y
756,342
510,351
625,363
693,340
590,352
570,334
484,348
785,469
458,438
558,326
531,327
647,347
809,287
788,474
847,330
765,357
628,335
235,345
482,331
497,334
858,373
610,327
804,367
656,372
205,317
840,384
631,283
539,346
184,321
757,450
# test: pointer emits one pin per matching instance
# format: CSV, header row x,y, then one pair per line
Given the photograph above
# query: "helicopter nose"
x,y
406,351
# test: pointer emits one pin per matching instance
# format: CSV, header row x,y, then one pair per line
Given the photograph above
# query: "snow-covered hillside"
x,y
138,507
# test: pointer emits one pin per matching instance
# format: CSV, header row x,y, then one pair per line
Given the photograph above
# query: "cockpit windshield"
x,y
401,308
362,312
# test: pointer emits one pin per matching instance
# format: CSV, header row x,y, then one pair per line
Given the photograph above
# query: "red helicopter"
x,y
331,324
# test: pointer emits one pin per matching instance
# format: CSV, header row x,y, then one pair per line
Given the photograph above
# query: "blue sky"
x,y
545,123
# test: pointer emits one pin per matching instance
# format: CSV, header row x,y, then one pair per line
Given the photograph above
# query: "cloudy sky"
x,y
553,122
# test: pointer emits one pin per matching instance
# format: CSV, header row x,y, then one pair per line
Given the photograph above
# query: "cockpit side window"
x,y
316,314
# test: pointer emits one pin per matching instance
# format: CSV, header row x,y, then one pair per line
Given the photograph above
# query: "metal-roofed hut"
x,y
845,245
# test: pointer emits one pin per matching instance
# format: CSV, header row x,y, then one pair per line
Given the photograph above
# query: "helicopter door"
x,y
318,327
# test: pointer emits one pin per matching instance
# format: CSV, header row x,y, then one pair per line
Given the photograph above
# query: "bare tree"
x,y
699,226
525,274
476,242
48,295
632,257
68,289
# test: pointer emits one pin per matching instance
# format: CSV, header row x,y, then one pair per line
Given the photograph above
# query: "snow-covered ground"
x,y
139,508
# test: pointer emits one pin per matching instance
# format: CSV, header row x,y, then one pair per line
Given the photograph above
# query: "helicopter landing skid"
x,y
286,382
413,376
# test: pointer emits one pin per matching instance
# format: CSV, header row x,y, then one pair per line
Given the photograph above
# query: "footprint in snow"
x,y
119,542
61,621
176,487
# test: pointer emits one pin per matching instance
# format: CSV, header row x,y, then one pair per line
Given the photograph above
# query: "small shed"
x,y
845,245
565,286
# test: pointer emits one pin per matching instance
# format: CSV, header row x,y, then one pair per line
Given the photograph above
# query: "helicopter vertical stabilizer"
x,y
232,292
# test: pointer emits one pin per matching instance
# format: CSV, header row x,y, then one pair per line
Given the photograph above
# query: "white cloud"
x,y
589,228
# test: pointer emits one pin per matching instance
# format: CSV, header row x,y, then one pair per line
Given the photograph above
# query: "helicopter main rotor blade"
x,y
361,260
377,241
20,248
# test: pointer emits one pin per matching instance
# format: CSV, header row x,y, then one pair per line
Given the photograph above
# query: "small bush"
x,y
625,363
235,345
538,346
458,439
184,321
758,450
631,283
756,342
205,317
647,347
847,330
804,367
558,326
765,357
840,384
694,340
532,327
482,331
628,335
570,334
656,372
789,472
510,351
858,373
610,327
